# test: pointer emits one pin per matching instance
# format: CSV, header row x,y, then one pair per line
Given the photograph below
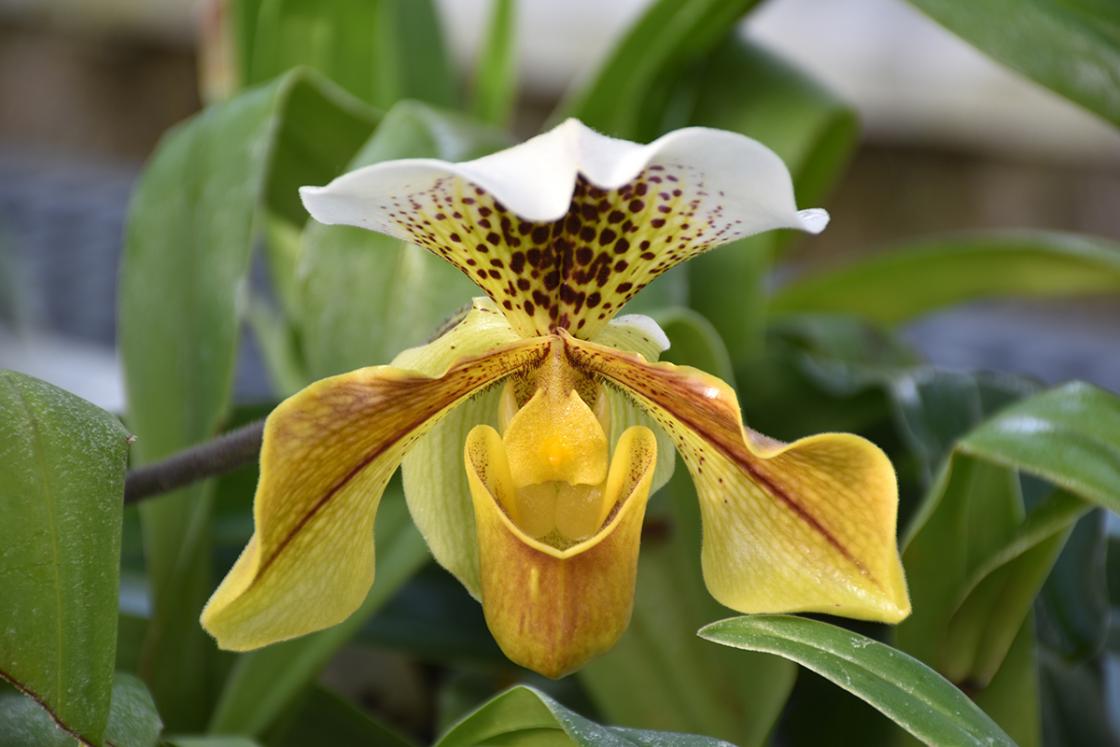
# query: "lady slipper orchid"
x,y
533,432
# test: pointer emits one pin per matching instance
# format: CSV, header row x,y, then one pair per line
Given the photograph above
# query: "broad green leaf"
x,y
264,683
190,231
1070,46
999,594
526,717
970,513
132,722
24,723
62,465
973,561
901,687
278,345
913,279
325,718
1012,698
628,93
366,46
1069,436
495,79
366,296
659,674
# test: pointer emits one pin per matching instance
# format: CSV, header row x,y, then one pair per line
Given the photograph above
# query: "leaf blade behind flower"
x,y
188,243
916,278
62,464
907,691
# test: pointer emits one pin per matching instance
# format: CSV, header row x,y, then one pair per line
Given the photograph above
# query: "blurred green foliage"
x,y
1004,486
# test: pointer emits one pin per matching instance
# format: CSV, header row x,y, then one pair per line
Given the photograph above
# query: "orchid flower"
x,y
534,430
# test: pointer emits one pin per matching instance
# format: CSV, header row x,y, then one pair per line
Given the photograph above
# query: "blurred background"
x,y
952,141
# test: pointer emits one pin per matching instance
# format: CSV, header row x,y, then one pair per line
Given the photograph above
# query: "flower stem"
x,y
215,457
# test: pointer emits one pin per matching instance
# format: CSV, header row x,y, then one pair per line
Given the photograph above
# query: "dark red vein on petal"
x,y
372,456
733,452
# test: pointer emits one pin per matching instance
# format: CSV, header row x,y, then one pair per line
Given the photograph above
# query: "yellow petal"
x,y
435,484
328,452
807,526
549,609
435,481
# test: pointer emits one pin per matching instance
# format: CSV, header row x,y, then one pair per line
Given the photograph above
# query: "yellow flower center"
x,y
558,456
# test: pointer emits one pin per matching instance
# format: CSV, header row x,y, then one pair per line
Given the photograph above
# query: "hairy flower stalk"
x,y
533,432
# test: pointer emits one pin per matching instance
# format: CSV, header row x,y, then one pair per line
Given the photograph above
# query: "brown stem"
x,y
216,457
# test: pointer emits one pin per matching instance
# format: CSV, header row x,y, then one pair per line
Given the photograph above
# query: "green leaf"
x,y
495,80
365,46
1070,46
132,722
901,687
627,94
265,682
975,506
525,716
190,231
366,296
659,674
1069,436
974,562
913,279
999,594
325,718
62,465
1012,698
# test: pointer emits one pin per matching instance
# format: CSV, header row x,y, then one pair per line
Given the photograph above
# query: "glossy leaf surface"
x,y
907,691
1070,46
190,232
62,464
524,716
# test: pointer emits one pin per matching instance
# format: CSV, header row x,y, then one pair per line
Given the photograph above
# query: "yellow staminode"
x,y
534,430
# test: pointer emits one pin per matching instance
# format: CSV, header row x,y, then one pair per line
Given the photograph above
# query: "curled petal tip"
x,y
813,220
